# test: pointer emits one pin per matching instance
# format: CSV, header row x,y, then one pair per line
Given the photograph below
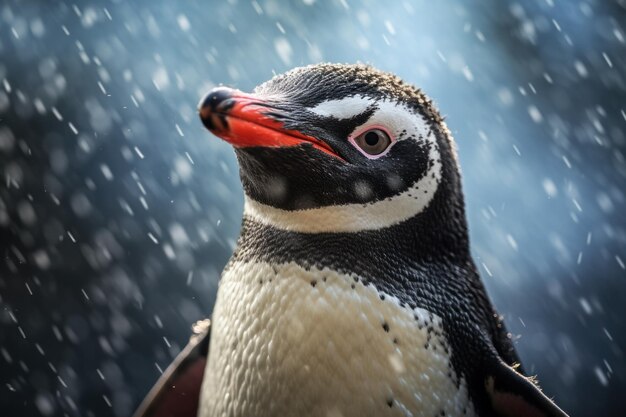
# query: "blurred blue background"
x,y
118,210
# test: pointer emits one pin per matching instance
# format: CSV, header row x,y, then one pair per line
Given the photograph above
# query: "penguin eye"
x,y
372,142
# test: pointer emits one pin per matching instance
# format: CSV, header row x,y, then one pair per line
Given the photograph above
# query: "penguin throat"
x,y
437,235
352,218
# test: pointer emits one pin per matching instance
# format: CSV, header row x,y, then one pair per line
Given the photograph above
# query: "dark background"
x,y
118,211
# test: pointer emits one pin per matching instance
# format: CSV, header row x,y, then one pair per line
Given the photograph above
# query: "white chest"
x,y
287,342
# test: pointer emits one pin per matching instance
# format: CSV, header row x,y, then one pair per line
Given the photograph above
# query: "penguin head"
x,y
334,148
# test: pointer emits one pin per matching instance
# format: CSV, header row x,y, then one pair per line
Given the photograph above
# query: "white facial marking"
x,y
371,216
289,341
345,108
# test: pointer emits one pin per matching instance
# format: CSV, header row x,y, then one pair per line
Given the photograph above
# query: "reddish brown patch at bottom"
x,y
512,405
182,397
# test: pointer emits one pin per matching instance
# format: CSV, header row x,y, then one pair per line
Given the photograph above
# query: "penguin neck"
x,y
438,235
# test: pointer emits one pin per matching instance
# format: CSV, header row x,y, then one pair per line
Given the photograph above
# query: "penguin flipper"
x,y
514,395
177,392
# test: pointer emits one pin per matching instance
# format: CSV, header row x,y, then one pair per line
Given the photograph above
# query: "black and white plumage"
x,y
351,291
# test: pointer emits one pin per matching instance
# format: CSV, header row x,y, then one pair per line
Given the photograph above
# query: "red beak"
x,y
244,120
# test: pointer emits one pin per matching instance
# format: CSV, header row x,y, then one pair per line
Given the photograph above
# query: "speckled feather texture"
x,y
288,341
346,80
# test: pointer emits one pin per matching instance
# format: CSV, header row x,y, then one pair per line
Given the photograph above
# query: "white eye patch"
x,y
398,119
344,108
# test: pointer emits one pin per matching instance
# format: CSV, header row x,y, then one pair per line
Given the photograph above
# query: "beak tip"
x,y
209,104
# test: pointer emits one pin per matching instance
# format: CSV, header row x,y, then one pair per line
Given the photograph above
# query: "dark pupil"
x,y
371,138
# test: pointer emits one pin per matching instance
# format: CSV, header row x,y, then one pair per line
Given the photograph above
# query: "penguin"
x,y
351,291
